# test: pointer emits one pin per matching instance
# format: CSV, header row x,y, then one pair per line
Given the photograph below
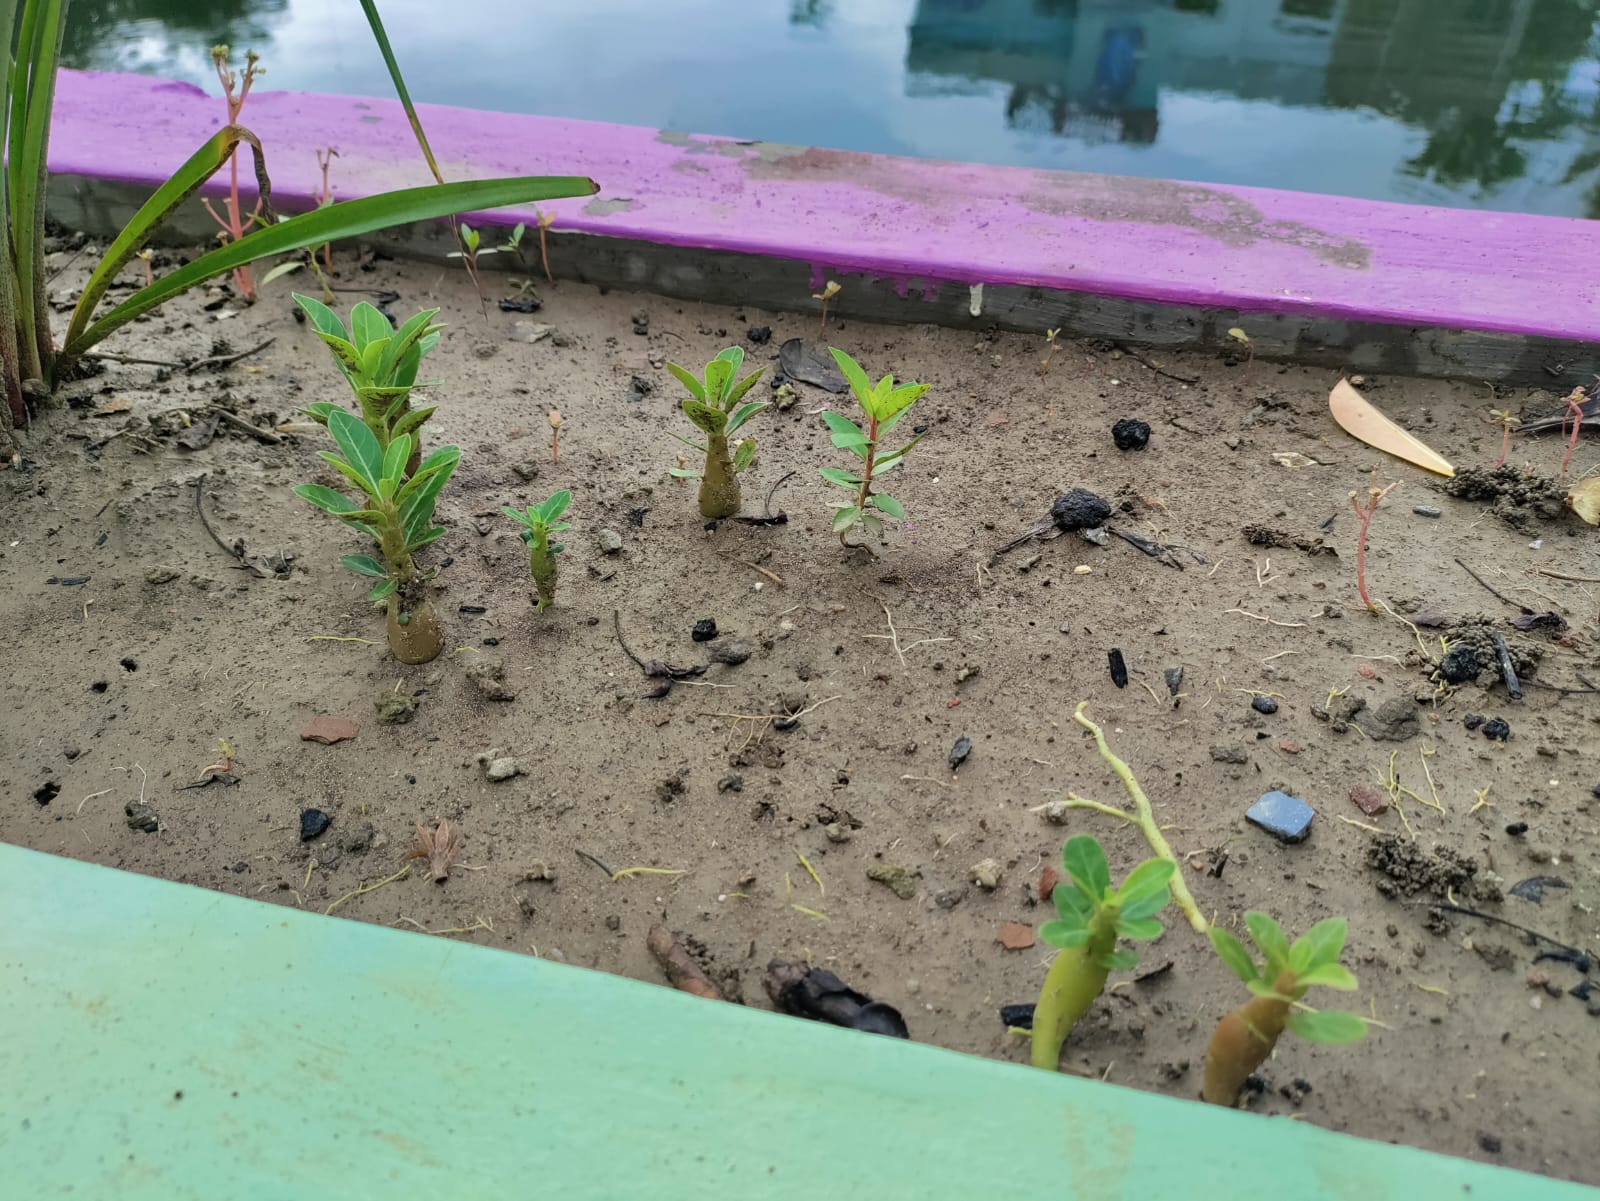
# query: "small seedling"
x,y
554,418
323,195
398,513
1238,335
1364,515
1247,1035
1050,348
236,89
711,406
380,364
471,246
884,404
545,221
145,259
539,522
1091,916
1574,402
1507,421
829,291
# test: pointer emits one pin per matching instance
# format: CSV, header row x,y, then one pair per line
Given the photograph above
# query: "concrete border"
x,y
1320,279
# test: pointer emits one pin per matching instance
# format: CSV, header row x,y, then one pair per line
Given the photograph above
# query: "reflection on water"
x,y
1483,103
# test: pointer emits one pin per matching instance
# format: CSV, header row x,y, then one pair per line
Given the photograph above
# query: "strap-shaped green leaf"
x,y
696,388
1144,928
1233,954
364,565
838,475
1148,879
424,537
1063,935
349,472
744,414
719,379
521,518
1321,944
385,589
846,434
1328,975
326,499
845,517
360,447
1269,936
887,504
854,376
443,459
410,421
323,319
710,419
1084,860
744,454
737,392
1327,1026
368,325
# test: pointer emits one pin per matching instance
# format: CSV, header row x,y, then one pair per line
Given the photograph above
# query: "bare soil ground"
x,y
137,642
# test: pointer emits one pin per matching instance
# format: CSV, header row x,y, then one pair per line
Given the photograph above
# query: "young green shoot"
x,y
1090,917
1507,421
1238,335
1050,348
713,405
379,363
398,514
884,404
1247,1035
235,89
538,523
829,291
554,418
471,247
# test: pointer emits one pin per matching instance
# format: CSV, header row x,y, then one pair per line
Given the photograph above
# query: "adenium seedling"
x,y
538,523
398,513
1246,1036
884,404
1091,916
711,406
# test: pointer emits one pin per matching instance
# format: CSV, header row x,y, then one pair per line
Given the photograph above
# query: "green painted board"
x,y
165,1042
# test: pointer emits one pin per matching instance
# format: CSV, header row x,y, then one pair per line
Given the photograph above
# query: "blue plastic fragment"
x,y
1285,817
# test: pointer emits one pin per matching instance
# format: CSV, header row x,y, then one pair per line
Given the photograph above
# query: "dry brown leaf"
x,y
1584,500
117,404
439,847
1359,419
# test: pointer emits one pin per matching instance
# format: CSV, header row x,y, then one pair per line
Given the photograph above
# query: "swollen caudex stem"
x,y
713,405
1247,1035
1091,916
397,513
538,522
884,404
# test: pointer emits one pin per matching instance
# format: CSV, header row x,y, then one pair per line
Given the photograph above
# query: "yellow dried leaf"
x,y
1584,500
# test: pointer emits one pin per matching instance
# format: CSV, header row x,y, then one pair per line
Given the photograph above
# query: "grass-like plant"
x,y
1091,916
885,404
398,513
32,362
380,364
713,406
538,523
1246,1036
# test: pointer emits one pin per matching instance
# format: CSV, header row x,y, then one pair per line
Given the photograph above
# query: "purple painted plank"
x,y
910,220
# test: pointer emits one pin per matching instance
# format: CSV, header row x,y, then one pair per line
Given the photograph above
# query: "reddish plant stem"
x,y
1574,401
866,474
1364,516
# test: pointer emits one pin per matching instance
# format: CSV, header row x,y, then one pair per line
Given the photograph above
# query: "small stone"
x,y
312,823
489,675
960,751
759,335
966,672
1497,729
704,630
528,331
328,730
613,922
1056,812
71,750
1472,721
985,874
1048,879
1229,754
838,832
1264,704
609,541
733,652
1289,746
1369,800
732,782
1174,678
141,817
1460,664
1517,829
1427,511
500,769
1490,1143
902,881
1129,434
357,840
785,398
1394,721
160,575
395,708
949,898
1286,818
1014,936
526,472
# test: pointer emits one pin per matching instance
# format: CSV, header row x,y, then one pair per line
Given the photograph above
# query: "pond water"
x,y
1476,103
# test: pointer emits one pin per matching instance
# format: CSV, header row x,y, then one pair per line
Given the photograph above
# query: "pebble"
x,y
160,575
902,881
328,730
489,675
395,708
1285,817
1427,511
838,832
1459,665
949,898
704,630
1497,729
1130,434
312,823
526,472
1229,754
733,652
609,541
1014,936
985,874
960,751
141,817
732,782
1264,704
1369,800
501,769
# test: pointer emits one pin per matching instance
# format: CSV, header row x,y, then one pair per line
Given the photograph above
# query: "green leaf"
x,y
1061,934
733,356
683,473
556,505
1321,944
686,442
1263,988
845,518
444,459
1072,906
336,222
1146,906
887,504
719,377
744,414
344,469
1144,928
1328,975
871,523
696,388
706,417
895,457
1233,954
327,499
847,434
323,319
394,462
736,393
1327,1026
744,454
838,475
901,399
1084,861
365,565
410,421
360,447
319,410
1269,936
854,376
1148,879
1116,961
367,326
383,590
517,515
426,536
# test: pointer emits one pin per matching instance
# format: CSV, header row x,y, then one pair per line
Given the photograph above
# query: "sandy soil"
x,y
139,643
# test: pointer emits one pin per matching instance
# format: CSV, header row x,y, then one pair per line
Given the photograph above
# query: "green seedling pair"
x,y
538,523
